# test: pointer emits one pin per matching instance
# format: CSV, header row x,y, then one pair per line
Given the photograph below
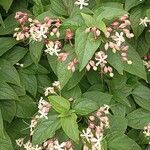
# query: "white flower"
x,y
19,142
49,90
37,148
58,146
118,38
28,146
41,32
52,49
144,21
82,3
87,134
97,142
38,33
43,114
101,58
56,84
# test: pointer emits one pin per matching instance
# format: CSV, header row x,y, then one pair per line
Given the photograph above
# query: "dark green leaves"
x,y
10,24
8,72
63,73
99,97
15,54
6,92
6,44
141,95
6,4
138,118
30,83
84,106
70,127
85,46
36,51
25,107
105,13
129,4
115,60
46,129
1,125
137,67
60,104
122,142
137,13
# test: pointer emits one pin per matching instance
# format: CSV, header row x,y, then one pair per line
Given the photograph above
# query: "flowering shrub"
x,y
74,75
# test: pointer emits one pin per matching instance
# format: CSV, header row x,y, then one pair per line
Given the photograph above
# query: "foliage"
x,y
67,69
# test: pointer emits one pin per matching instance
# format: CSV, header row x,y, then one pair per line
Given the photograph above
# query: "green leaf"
x,y
99,97
1,21
35,49
6,92
138,118
30,83
141,95
73,93
46,129
118,123
1,126
92,22
6,4
8,108
143,44
63,73
135,15
137,67
20,90
109,13
122,142
5,144
16,54
38,7
10,24
129,4
6,44
115,61
62,7
59,103
25,107
75,79
70,127
43,82
8,72
89,20
85,46
121,98
84,106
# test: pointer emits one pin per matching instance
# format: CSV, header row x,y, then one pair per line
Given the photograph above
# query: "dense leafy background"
x,y
127,93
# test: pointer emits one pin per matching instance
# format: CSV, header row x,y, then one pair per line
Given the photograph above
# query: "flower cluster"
x,y
98,122
27,145
43,110
115,36
81,3
34,29
146,61
144,21
95,31
147,131
53,144
52,90
101,63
